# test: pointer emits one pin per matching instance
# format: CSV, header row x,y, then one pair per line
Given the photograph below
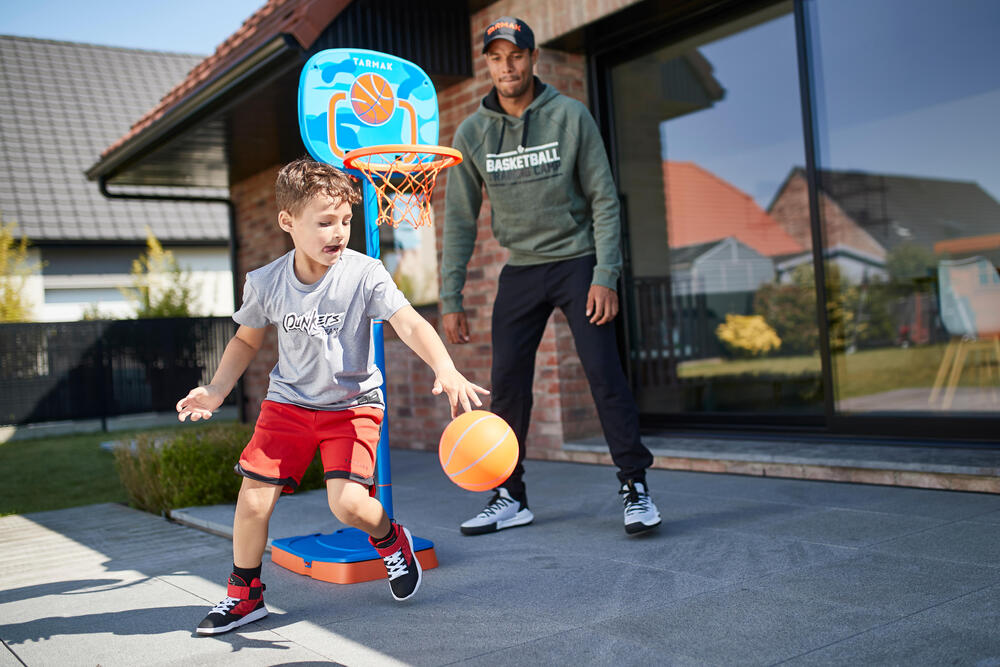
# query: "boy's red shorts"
x,y
286,436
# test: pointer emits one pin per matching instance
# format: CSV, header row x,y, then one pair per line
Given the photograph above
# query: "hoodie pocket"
x,y
547,231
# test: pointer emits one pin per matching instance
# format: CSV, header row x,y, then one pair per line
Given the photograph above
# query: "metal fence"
x,y
98,369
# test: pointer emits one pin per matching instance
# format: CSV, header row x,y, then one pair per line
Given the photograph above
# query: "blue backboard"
x,y
354,98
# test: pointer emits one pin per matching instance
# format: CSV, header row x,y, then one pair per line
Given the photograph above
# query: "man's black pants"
x,y
526,296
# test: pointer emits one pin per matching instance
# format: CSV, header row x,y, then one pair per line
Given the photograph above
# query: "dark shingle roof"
x,y
61,104
897,209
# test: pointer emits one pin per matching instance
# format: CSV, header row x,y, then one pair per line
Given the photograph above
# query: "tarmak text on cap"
x,y
513,30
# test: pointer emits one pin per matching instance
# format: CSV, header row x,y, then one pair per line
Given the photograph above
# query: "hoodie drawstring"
x,y
503,128
524,132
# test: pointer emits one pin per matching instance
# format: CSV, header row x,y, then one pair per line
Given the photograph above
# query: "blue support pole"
x,y
383,473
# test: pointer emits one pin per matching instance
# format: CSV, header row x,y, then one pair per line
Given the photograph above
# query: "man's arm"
x,y
242,348
599,188
463,199
420,337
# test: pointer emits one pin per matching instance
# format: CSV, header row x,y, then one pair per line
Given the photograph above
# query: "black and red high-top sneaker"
x,y
243,604
401,564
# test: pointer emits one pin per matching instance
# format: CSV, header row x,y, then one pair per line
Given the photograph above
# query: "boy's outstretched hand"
x,y
459,390
200,403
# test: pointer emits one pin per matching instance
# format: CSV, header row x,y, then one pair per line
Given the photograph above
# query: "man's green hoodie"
x,y
549,185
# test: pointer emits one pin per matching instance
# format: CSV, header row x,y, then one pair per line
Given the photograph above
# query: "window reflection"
x,y
908,94
710,145
409,254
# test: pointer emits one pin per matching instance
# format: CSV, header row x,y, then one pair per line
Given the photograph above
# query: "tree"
x,y
908,262
160,288
14,272
791,310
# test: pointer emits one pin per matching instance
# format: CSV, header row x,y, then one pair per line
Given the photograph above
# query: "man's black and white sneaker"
x,y
401,564
640,512
243,604
501,512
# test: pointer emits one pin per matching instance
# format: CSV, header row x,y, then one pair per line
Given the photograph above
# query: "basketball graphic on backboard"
x,y
372,99
354,98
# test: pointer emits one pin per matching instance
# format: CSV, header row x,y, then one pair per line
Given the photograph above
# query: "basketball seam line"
x,y
485,454
454,445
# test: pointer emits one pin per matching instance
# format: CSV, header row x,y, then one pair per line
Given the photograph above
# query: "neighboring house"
x,y
61,104
719,267
866,216
701,208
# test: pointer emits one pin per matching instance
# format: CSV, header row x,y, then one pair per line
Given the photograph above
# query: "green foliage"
x,y
908,262
160,288
194,466
790,309
93,312
14,272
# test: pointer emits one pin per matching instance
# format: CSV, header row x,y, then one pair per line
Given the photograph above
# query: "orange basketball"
x,y
372,98
478,450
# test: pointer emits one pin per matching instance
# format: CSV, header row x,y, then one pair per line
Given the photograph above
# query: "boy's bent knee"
x,y
257,498
348,501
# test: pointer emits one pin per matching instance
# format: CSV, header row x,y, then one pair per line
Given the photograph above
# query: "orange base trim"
x,y
344,573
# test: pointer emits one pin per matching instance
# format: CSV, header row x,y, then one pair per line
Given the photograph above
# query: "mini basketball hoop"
x,y
403,178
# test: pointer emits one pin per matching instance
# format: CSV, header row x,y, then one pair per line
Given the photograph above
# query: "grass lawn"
x,y
859,374
53,473
62,471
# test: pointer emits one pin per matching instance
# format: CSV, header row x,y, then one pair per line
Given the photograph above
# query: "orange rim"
x,y
447,157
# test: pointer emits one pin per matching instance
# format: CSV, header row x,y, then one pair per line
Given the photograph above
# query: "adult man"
x,y
555,207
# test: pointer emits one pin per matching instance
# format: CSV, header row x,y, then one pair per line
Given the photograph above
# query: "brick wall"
x,y
260,241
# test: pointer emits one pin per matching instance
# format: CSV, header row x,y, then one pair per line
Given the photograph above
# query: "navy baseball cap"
x,y
513,30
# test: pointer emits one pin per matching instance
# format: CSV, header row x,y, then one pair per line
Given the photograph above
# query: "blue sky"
x,y
903,88
183,26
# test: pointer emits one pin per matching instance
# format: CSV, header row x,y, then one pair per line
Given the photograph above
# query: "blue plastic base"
x,y
347,545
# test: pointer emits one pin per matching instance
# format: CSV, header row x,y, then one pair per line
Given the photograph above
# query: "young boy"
x,y
324,390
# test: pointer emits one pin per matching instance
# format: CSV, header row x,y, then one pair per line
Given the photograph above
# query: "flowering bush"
x,y
747,335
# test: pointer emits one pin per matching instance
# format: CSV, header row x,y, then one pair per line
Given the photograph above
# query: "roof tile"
x,y
61,106
701,207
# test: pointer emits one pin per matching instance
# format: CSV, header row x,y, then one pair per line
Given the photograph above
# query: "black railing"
x,y
98,369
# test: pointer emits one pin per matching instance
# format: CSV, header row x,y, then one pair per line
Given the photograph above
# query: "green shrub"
x,y
164,471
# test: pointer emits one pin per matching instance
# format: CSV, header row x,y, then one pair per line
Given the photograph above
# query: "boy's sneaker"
x,y
640,512
401,562
243,604
501,512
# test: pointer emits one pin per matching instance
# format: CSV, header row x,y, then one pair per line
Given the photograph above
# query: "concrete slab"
x,y
845,527
745,570
740,626
958,542
960,631
886,583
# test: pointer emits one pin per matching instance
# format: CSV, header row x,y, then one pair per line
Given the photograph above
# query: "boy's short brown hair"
x,y
305,178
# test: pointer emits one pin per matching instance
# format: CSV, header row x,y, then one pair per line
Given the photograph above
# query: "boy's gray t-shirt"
x,y
326,360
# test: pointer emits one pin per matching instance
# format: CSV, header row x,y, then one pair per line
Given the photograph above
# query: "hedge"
x,y
193,466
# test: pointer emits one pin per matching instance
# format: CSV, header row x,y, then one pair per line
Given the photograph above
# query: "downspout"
x,y
102,185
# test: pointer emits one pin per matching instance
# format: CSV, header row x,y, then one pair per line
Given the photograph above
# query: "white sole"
x,y
249,618
522,518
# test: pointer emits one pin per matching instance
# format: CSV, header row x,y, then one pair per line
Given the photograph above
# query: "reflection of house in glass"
x,y
867,216
720,240
719,267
